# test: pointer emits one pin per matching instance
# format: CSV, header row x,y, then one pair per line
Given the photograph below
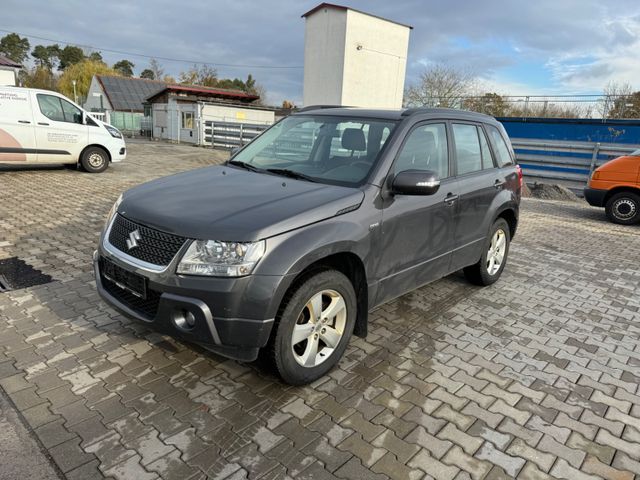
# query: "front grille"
x,y
154,246
146,307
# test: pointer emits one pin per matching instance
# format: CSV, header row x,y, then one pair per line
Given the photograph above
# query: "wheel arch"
x,y
511,217
350,265
620,189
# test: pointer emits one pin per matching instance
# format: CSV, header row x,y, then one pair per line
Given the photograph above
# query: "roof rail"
x,y
320,107
415,110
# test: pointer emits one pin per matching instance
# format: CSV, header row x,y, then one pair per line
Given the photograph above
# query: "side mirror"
x,y
416,182
233,151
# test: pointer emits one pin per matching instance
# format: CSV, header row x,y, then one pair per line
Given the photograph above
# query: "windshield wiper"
x,y
245,165
285,172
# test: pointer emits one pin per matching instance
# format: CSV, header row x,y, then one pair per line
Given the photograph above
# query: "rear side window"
x,y
503,156
425,149
468,156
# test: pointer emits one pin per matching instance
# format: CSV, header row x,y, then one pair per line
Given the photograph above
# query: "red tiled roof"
x,y
7,62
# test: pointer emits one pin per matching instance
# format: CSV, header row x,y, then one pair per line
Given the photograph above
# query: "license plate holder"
x,y
126,280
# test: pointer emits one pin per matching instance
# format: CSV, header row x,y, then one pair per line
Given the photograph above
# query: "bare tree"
x,y
259,90
156,68
614,94
203,75
440,86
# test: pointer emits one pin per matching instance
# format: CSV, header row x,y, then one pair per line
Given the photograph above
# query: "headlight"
x,y
114,209
221,259
113,131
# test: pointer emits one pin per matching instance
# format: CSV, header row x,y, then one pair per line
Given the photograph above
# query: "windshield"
x,y
635,153
335,150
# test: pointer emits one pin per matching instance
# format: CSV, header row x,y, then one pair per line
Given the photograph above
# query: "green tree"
x,y
95,56
250,84
147,73
235,84
70,55
15,47
125,67
82,72
46,56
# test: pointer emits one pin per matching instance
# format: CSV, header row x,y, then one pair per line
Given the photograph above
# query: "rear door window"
x,y
468,153
487,158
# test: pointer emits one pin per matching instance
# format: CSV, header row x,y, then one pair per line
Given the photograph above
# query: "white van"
x,y
40,126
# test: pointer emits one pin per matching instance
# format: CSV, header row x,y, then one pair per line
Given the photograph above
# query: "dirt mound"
x,y
552,192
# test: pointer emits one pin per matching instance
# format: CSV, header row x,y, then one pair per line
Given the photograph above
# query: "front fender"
x,y
291,253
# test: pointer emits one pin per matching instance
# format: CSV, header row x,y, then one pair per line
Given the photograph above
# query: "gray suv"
x,y
327,214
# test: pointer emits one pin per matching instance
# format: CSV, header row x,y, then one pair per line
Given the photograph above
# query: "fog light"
x,y
184,320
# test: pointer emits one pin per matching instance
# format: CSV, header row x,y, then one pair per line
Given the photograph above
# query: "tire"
x,y
94,160
624,208
326,288
486,272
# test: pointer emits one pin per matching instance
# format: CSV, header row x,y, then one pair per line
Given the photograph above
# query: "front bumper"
x,y
595,197
230,315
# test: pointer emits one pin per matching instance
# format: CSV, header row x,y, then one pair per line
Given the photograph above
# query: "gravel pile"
x,y
552,192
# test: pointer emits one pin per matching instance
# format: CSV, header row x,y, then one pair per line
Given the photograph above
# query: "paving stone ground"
x,y
534,377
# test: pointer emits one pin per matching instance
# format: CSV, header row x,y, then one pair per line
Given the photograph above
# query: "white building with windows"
x,y
186,113
353,58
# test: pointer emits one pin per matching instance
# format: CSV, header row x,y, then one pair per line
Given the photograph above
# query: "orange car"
x,y
616,187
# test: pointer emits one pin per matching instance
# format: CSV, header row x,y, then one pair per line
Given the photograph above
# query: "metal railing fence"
x,y
565,161
228,135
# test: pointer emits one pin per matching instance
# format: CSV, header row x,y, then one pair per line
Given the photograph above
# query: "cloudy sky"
x,y
515,46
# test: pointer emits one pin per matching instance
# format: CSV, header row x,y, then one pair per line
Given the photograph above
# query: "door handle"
x,y
43,123
24,121
450,199
498,184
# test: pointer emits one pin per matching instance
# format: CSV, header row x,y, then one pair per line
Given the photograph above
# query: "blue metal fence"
x,y
574,129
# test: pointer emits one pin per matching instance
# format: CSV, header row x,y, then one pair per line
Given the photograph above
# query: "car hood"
x,y
225,203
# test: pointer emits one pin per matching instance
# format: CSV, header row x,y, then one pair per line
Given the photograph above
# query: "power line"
x,y
543,97
166,59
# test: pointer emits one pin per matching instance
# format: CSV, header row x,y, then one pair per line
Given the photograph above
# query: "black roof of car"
x,y
395,114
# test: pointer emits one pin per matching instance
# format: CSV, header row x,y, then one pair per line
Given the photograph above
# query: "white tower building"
x,y
353,58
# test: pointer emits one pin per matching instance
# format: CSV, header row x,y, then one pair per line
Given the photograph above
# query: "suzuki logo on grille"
x,y
134,238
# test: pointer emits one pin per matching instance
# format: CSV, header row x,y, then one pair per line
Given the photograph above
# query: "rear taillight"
x,y
520,176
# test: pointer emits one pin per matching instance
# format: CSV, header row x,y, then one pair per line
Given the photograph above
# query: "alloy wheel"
x,y
319,328
497,249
